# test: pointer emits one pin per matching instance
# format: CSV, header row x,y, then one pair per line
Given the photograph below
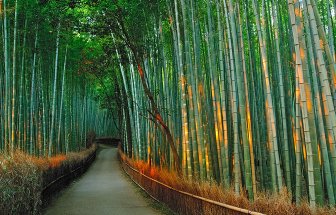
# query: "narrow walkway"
x,y
103,189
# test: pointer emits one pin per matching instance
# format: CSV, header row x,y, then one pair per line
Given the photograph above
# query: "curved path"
x,y
103,189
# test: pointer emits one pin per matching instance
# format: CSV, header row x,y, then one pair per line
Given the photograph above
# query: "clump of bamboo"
x,y
247,90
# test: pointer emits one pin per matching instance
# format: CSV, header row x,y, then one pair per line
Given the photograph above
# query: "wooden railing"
x,y
180,201
85,165
57,184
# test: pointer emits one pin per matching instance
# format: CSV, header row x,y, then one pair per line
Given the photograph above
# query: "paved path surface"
x,y
103,189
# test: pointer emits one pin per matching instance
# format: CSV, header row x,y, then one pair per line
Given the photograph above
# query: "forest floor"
x,y
103,189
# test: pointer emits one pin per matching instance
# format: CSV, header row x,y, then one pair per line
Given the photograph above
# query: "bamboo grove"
x,y
235,92
246,90
47,106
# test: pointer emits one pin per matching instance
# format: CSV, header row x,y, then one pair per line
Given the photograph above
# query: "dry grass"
x,y
63,164
266,203
23,177
20,182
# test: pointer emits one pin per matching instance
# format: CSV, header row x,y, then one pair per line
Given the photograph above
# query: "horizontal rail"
x,y
199,198
70,173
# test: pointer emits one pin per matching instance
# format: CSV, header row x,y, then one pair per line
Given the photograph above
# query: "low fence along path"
x,y
103,189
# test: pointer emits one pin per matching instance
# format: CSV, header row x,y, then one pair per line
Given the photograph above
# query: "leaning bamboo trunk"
x,y
270,112
53,112
242,105
282,99
304,108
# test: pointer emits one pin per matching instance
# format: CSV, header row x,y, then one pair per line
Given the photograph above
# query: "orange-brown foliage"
x,y
267,203
56,161
23,177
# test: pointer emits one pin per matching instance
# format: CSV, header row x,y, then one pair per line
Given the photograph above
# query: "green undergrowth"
x,y
24,177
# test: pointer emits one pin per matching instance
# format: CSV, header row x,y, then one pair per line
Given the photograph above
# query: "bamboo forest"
x,y
238,94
